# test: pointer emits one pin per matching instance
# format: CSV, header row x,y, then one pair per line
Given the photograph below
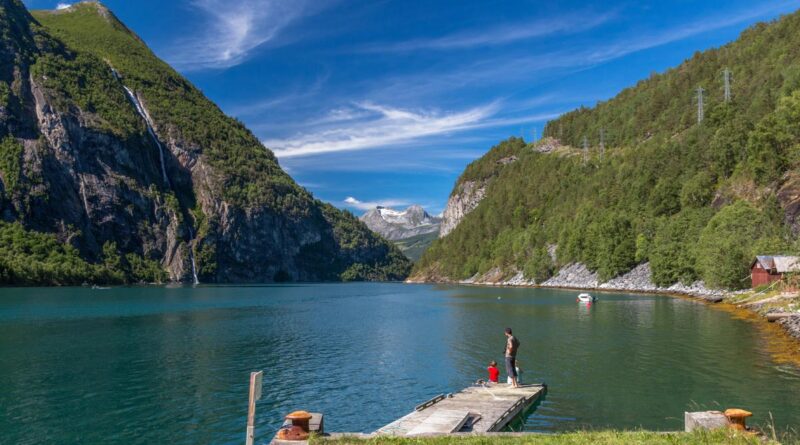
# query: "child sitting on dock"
x,y
494,373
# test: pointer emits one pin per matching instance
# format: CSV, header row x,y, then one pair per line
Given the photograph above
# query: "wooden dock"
x,y
479,409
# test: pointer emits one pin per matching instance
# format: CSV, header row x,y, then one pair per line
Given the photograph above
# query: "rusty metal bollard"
x,y
298,430
737,417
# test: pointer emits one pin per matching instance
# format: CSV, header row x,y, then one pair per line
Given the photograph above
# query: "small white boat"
x,y
586,298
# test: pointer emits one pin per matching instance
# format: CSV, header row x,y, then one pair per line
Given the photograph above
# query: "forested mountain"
x,y
694,199
114,168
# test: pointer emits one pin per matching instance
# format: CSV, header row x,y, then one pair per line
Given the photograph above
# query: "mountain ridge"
x,y
396,225
109,150
412,229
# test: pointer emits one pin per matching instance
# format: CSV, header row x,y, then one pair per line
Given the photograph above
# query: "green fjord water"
x,y
171,364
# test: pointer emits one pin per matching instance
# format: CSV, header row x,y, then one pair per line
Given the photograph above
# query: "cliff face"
x,y
114,152
463,200
471,186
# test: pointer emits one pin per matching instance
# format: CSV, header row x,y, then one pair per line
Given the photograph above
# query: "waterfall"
x,y
149,124
191,255
194,268
83,196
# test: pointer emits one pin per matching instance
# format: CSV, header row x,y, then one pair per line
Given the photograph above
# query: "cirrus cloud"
x,y
233,30
371,125
369,205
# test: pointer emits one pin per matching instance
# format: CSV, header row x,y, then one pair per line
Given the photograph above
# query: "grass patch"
x,y
572,438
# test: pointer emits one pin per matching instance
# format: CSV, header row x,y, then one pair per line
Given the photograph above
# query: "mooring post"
x,y
255,394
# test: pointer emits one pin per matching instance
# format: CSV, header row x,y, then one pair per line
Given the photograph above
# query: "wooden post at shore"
x,y
255,395
775,316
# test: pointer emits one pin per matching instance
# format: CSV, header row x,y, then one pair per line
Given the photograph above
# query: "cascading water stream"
x,y
140,109
191,255
149,124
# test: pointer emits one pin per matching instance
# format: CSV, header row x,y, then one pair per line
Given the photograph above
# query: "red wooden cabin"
x,y
766,269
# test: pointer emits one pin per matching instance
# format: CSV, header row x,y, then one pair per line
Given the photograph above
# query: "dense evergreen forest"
x,y
697,200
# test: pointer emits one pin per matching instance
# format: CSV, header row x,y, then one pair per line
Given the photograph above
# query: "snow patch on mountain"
x,y
397,225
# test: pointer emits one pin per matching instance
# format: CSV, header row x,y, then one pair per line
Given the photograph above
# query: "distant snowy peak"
x,y
396,225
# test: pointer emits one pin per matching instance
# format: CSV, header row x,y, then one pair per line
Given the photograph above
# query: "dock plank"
x,y
490,409
443,421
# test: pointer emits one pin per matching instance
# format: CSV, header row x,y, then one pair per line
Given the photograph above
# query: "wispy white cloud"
x,y
234,29
369,205
299,95
653,40
383,126
511,67
63,5
498,35
437,157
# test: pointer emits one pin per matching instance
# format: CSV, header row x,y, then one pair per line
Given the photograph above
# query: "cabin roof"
x,y
778,263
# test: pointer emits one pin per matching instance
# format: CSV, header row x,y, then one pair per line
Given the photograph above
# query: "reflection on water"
x,y
171,365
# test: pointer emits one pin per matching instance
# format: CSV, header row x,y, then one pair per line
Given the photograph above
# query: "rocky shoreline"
x,y
578,276
639,279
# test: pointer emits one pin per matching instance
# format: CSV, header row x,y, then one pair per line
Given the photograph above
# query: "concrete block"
x,y
708,420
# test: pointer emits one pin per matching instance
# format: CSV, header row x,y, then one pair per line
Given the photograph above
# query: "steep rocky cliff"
x,y
470,188
466,196
114,153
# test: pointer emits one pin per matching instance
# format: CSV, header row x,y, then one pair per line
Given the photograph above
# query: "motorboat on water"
x,y
586,298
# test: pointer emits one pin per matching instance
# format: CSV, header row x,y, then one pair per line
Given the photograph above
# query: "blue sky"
x,y
371,102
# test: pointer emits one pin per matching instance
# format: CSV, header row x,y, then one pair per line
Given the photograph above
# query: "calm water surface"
x,y
171,365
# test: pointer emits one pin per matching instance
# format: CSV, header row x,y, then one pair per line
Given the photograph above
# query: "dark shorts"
x,y
511,366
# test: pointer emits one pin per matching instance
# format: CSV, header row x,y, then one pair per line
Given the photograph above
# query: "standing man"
x,y
512,344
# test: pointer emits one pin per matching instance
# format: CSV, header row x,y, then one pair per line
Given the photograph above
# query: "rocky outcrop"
x,y
792,325
574,275
464,199
547,145
789,198
507,160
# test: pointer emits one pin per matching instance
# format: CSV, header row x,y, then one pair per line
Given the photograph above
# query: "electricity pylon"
x,y
726,76
700,104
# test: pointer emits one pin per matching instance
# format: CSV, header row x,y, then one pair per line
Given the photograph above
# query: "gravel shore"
x,y
639,279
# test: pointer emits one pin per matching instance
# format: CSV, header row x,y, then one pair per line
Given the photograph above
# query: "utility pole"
x,y
726,75
585,150
700,104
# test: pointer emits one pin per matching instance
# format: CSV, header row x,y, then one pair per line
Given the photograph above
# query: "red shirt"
x,y
494,373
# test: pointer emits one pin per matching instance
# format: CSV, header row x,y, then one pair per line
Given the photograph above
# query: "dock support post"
x,y
255,394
